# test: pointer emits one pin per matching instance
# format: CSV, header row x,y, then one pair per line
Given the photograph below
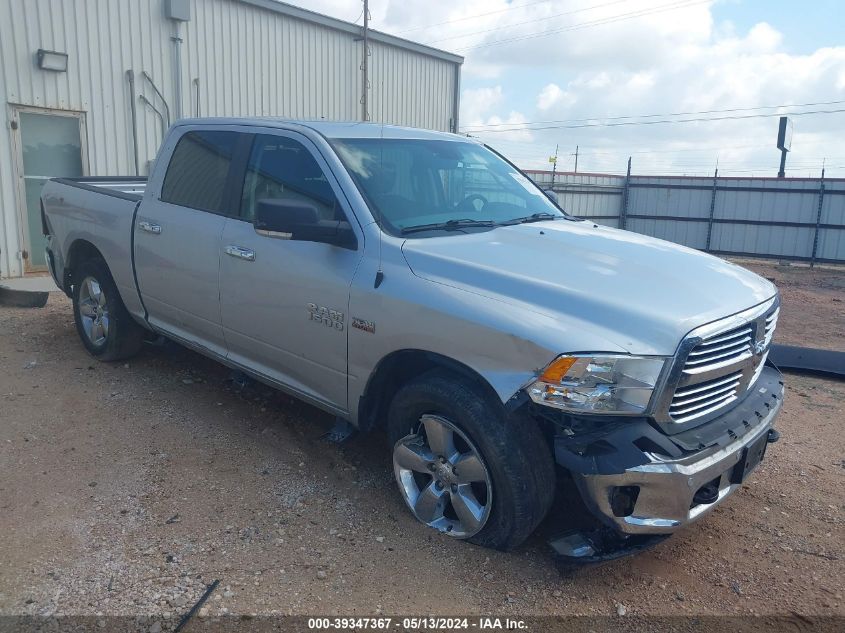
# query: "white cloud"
x,y
478,103
763,38
552,95
478,109
600,63
726,70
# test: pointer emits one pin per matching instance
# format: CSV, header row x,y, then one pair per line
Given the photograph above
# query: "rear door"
x,y
177,236
284,303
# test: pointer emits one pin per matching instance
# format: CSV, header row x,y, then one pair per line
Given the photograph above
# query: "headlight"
x,y
598,384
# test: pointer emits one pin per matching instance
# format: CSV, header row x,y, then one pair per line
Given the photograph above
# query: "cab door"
x,y
177,238
283,302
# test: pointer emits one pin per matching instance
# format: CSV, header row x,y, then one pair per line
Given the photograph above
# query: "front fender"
x,y
506,344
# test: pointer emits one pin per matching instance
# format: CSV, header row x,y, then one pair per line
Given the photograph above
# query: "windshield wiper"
x,y
450,225
534,217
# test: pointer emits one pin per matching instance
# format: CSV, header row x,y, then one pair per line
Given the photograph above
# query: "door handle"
x,y
241,253
149,227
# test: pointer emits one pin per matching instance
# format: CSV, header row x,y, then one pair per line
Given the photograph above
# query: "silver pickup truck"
x,y
418,283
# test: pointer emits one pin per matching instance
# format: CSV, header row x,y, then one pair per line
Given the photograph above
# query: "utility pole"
x,y
576,159
553,161
365,80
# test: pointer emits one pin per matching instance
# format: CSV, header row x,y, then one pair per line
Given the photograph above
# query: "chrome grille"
x,y
771,324
720,349
768,335
691,402
721,362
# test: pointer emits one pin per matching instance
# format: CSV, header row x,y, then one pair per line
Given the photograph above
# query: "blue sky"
x,y
583,62
806,26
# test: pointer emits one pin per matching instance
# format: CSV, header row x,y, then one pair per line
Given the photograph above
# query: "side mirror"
x,y
551,195
300,220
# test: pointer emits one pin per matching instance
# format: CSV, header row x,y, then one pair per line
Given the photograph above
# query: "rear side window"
x,y
196,176
281,168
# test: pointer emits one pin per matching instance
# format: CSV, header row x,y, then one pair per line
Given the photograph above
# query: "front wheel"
x,y
105,327
464,467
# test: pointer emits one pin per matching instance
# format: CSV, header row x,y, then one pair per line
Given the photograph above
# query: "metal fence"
x,y
782,218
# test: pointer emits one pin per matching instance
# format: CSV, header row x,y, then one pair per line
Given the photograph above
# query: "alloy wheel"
x,y
443,478
94,311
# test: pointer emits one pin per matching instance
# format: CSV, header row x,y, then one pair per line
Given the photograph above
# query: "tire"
x,y
518,483
104,325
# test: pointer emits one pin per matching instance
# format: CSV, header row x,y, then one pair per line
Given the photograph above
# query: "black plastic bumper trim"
x,y
613,449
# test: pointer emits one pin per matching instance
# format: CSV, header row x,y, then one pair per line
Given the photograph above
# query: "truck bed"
x,y
126,186
98,213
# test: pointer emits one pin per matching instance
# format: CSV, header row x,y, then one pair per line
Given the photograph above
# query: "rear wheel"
x,y
105,327
464,467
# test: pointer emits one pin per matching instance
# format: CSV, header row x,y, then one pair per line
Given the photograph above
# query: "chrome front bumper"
x,y
666,488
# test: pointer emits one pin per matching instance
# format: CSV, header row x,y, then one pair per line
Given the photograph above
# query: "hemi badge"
x,y
364,325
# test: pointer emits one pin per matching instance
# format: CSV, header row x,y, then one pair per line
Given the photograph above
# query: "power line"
x,y
576,27
523,155
472,17
702,148
520,145
692,120
478,128
541,19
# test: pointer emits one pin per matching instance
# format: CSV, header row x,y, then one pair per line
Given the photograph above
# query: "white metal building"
x,y
90,86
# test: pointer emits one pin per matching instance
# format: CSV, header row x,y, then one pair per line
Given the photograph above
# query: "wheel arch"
x,y
80,250
397,369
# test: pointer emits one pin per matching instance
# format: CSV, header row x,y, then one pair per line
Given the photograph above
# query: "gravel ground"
x,y
813,313
126,488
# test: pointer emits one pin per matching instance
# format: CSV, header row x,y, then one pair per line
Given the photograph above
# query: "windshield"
x,y
424,187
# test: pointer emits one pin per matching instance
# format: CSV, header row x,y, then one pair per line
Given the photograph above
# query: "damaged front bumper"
x,y
639,481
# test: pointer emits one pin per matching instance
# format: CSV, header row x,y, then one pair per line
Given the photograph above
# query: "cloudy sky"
x,y
605,75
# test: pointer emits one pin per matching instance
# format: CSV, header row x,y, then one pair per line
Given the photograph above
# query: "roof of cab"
x,y
331,129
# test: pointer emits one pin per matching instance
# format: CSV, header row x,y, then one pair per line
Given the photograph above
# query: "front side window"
x,y
414,183
281,169
199,167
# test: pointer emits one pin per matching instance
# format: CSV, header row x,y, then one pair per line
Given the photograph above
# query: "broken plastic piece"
x,y
340,432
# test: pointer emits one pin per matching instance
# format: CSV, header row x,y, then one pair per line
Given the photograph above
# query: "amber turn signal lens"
x,y
555,372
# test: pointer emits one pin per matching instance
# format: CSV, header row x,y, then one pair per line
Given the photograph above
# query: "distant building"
x,y
91,86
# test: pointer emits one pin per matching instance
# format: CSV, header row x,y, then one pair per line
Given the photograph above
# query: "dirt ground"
x,y
813,313
125,488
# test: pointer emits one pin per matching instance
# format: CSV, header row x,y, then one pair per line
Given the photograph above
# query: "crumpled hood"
x,y
641,293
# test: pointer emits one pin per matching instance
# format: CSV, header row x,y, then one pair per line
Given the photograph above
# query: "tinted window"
x,y
412,182
196,176
280,168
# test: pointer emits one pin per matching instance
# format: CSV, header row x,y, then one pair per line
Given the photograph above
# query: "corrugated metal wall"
x,y
247,61
595,196
251,62
764,217
398,88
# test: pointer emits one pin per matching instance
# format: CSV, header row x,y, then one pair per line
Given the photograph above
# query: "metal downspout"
x,y
456,99
177,66
130,76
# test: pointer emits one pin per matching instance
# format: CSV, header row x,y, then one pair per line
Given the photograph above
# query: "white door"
x,y
50,144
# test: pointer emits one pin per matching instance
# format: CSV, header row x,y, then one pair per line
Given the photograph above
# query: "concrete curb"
x,y
22,298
